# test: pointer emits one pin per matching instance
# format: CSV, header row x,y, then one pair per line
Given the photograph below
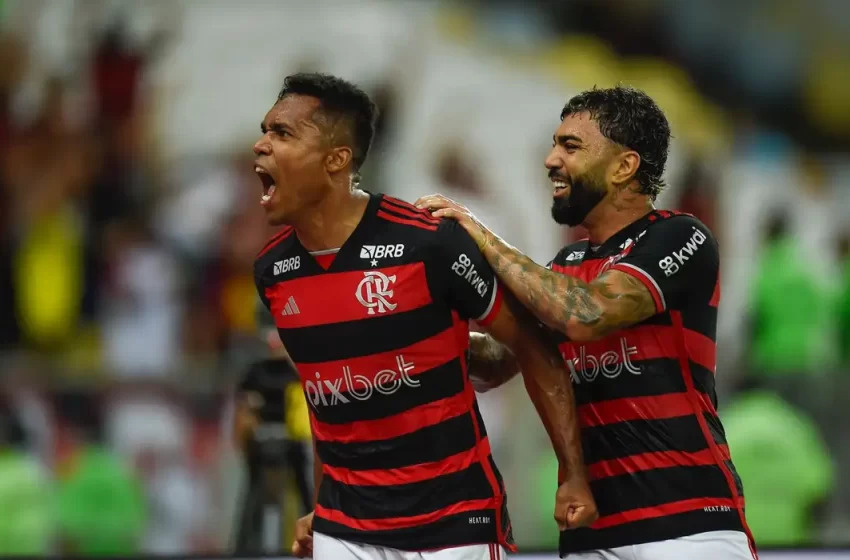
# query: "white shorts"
x,y
329,548
714,545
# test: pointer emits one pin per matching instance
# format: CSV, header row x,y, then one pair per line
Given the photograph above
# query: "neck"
x,y
331,222
608,218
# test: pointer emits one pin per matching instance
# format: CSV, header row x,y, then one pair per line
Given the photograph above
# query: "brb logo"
x,y
610,364
373,292
375,252
381,251
286,265
671,264
464,268
356,387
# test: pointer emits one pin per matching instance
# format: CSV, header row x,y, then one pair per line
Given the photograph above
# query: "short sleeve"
x,y
260,284
470,283
674,258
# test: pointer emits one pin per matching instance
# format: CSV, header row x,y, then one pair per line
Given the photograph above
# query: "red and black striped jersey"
x,y
656,451
379,336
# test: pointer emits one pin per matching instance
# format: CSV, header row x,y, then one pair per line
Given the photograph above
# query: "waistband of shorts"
x,y
650,530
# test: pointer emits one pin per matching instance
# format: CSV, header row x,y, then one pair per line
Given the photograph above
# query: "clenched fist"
x,y
303,545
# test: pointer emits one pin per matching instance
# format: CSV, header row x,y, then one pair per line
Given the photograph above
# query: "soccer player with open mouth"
x,y
372,298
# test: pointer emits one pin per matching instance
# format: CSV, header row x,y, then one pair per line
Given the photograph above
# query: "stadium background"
x,y
129,219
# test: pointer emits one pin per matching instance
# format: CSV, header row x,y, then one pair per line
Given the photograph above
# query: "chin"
x,y
562,215
276,219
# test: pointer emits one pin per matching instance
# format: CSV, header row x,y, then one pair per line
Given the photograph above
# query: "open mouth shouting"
x,y
268,184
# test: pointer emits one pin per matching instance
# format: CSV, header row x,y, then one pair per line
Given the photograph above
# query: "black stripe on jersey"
x,y
698,317
739,485
405,209
406,500
392,211
615,441
662,319
715,428
482,429
649,530
701,318
450,531
340,341
426,445
666,379
703,381
615,494
435,384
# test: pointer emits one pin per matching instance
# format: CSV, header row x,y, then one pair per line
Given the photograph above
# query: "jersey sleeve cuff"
x,y
646,280
493,308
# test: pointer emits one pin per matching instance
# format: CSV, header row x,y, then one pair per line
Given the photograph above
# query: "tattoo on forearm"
x,y
612,301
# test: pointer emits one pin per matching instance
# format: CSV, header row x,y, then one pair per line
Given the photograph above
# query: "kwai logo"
x,y
355,387
464,268
587,367
671,266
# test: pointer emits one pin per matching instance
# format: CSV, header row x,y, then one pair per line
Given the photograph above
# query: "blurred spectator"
x,y
48,263
99,500
844,298
141,313
699,193
25,494
792,310
784,465
116,70
222,291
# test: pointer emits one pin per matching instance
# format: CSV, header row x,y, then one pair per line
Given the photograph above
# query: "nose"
x,y
262,146
552,161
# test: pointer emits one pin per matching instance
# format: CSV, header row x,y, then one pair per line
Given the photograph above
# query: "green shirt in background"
x,y
795,315
101,505
26,523
783,463
844,313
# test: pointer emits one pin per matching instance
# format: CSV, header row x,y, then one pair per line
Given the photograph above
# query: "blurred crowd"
x,y
130,218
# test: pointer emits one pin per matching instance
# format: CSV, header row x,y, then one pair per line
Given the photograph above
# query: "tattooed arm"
x,y
581,310
675,259
491,364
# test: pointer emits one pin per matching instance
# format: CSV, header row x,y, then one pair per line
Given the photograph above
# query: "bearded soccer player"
x,y
372,299
635,306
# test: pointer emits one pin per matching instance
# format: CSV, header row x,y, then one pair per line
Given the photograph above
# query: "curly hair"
x,y
632,119
339,99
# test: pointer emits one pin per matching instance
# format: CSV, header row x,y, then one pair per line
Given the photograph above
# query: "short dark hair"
x,y
632,119
340,99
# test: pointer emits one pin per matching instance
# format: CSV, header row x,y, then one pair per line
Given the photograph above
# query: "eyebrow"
x,y
273,126
564,138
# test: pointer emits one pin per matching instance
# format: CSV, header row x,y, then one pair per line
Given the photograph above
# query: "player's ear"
x,y
625,167
338,159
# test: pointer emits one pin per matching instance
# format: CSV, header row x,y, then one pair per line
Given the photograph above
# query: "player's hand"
x,y
444,207
574,504
303,545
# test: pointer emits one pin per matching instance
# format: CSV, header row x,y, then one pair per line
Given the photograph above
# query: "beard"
x,y
585,193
